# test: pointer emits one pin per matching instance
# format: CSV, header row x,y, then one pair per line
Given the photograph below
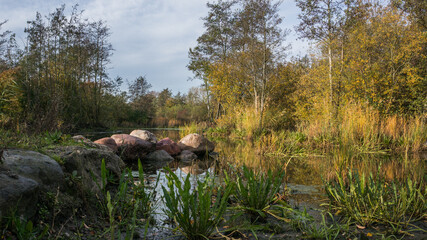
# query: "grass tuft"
x,y
371,199
197,211
256,192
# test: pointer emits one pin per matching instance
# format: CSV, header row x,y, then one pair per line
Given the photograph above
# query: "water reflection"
x,y
305,175
314,170
301,171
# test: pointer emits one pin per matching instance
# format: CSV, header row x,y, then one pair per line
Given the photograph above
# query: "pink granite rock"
x,y
169,146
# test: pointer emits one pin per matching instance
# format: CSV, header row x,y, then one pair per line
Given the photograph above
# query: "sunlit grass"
x,y
191,128
361,129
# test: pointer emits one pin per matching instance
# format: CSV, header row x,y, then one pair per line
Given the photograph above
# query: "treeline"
x,y
162,109
59,80
367,55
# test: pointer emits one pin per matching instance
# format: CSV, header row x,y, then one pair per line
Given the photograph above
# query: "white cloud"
x,y
151,37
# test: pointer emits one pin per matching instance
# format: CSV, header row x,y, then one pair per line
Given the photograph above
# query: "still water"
x,y
305,175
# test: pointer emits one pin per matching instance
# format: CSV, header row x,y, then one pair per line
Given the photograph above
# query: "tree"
x,y
383,63
3,48
321,21
63,71
138,88
239,54
213,45
164,96
261,48
142,101
416,8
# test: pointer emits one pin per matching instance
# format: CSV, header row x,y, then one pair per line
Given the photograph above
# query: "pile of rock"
x,y
143,145
25,175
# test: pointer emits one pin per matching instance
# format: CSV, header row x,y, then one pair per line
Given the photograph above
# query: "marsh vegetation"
x,y
330,145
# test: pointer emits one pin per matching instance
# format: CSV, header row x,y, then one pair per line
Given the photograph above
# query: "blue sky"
x,y
151,37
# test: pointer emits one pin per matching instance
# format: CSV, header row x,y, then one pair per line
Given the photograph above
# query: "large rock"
x,y
109,142
87,164
156,160
144,135
88,143
17,193
169,146
187,156
133,148
41,168
196,143
159,156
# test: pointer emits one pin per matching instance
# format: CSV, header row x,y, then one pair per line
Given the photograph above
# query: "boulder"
x,y
17,192
169,146
196,143
41,168
88,143
187,156
159,156
144,135
109,142
87,164
133,148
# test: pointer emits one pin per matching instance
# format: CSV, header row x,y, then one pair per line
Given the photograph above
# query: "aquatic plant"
x,y
255,192
129,202
304,222
196,212
368,200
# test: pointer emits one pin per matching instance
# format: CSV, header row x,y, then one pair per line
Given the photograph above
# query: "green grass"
x,y
128,202
22,228
35,142
255,192
196,212
371,199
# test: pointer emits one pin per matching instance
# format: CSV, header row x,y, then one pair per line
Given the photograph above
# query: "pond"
x,y
305,175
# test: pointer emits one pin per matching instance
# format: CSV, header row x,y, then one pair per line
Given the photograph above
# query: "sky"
x,y
151,38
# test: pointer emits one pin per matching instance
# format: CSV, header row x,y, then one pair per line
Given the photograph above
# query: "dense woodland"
x,y
367,56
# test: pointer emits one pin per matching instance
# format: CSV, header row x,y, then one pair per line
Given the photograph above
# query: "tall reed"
x,y
191,128
364,129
